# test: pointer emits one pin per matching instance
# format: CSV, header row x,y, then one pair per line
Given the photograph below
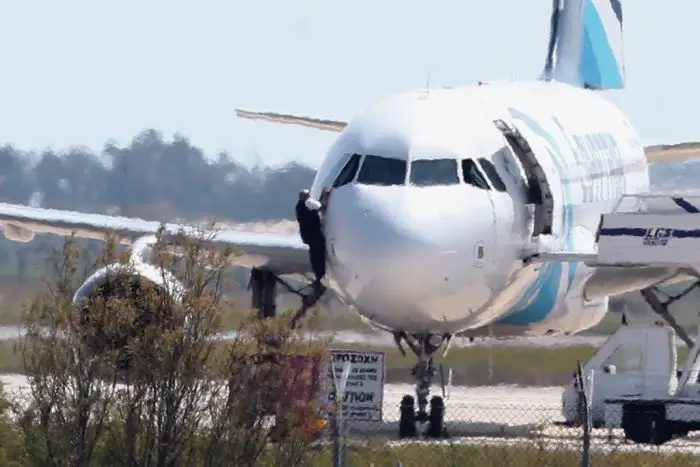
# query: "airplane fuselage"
x,y
428,233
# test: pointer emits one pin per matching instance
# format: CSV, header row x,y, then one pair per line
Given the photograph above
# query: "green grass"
x,y
532,366
10,316
10,360
323,320
13,296
526,366
378,454
497,456
511,365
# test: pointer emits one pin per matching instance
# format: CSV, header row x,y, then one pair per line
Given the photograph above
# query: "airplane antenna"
x,y
427,82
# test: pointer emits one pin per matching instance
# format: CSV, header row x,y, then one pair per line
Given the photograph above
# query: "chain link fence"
x,y
506,434
495,426
498,426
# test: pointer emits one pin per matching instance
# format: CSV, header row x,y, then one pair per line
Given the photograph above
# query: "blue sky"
x,y
83,72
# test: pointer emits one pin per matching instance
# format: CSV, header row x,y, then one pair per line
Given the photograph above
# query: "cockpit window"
x,y
347,174
429,172
492,174
377,170
472,175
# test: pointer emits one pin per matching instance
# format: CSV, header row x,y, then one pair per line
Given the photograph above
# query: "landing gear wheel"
x,y
424,347
436,419
407,422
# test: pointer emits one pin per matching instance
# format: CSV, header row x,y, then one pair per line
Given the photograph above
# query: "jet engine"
x,y
151,290
16,233
107,279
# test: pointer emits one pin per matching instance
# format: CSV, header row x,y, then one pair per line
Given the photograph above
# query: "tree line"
x,y
150,178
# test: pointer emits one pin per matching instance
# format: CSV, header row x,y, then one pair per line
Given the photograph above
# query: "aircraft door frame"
x,y
485,257
501,200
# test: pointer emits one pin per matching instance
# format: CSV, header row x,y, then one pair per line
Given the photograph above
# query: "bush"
x,y
135,375
10,436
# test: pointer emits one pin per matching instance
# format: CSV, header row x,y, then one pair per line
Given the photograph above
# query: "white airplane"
x,y
442,197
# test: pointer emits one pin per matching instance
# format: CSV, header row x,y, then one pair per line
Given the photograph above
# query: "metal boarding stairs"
x,y
654,229
651,229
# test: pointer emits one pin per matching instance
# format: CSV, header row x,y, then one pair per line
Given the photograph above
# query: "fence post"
x,y
585,416
339,425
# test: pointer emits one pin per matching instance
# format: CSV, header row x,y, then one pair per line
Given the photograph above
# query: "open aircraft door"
x,y
539,193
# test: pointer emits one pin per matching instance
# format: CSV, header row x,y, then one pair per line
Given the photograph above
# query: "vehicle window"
x,y
492,174
377,170
627,357
472,175
429,172
348,173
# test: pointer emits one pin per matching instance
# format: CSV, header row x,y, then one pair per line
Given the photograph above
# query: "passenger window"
x,y
377,170
431,172
492,174
472,175
348,173
626,358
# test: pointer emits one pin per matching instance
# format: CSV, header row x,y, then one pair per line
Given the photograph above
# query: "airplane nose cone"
x,y
390,232
411,253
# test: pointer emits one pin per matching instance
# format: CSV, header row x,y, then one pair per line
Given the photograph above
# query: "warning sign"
x,y
364,392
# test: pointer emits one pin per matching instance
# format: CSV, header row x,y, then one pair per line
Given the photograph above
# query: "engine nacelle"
x,y
164,281
16,233
125,281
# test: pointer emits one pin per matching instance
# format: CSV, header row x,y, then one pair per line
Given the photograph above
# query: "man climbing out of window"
x,y
308,212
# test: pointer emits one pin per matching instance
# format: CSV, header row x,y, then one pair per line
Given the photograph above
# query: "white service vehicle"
x,y
634,384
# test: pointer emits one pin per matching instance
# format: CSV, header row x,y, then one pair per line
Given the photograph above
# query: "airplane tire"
x,y
407,421
663,431
647,425
637,425
436,419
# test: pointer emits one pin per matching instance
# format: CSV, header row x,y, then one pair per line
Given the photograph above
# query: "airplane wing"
x,y
318,123
283,254
672,152
655,153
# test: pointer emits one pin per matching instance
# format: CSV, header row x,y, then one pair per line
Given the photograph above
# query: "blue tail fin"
x,y
585,44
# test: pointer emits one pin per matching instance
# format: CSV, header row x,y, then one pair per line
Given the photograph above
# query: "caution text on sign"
x,y
364,391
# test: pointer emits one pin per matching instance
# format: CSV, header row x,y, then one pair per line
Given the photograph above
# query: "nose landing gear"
x,y
424,347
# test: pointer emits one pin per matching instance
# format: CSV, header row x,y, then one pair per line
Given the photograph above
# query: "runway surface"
x,y
384,340
495,410
497,415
